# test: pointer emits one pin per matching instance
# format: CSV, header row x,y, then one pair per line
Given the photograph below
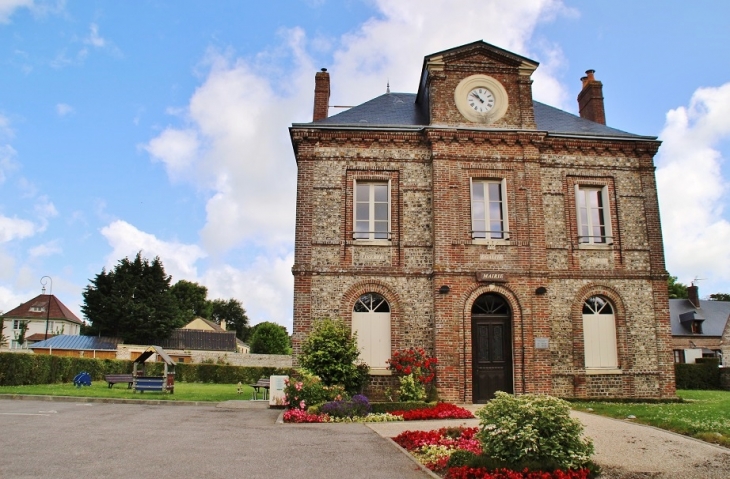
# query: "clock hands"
x,y
474,94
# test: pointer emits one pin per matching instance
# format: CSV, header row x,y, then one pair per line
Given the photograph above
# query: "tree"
x,y
270,338
3,338
676,290
20,335
330,352
720,297
231,313
192,300
133,302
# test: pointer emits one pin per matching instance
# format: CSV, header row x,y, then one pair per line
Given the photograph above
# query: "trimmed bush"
x,y
533,429
704,374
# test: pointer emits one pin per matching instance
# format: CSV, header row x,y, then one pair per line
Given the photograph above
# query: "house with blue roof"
x,y
518,243
700,328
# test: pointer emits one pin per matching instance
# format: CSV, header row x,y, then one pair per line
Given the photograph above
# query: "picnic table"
x,y
261,387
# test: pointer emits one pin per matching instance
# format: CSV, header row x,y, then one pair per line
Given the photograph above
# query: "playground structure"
x,y
142,382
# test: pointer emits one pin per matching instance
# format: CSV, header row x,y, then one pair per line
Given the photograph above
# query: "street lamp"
x,y
48,307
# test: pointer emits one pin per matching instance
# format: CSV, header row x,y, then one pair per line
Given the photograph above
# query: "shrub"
x,y
357,406
330,351
701,375
301,416
380,407
411,389
417,372
303,390
534,428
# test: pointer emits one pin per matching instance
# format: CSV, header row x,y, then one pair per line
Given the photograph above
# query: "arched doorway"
x,y
371,322
491,339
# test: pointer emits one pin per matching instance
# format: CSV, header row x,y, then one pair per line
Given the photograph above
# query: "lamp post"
x,y
48,307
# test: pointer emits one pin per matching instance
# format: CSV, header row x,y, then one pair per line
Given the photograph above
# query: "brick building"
x,y
518,243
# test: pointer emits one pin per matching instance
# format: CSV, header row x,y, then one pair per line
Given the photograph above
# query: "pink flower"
x,y
298,386
302,404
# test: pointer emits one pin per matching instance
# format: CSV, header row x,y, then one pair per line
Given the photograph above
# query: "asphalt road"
x,y
44,439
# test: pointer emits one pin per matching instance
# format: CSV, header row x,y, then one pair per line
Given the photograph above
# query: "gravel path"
x,y
623,449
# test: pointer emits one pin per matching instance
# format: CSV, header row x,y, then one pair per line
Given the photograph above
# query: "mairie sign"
x,y
491,277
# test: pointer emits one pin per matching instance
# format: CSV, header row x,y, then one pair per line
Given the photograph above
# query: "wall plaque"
x,y
542,343
491,277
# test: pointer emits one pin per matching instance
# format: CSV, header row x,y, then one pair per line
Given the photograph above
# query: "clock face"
x,y
480,99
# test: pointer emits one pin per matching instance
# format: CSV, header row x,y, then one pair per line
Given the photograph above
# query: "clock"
x,y
481,99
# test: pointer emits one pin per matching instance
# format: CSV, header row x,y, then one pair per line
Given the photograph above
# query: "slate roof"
x,y
58,310
400,110
200,340
715,314
75,342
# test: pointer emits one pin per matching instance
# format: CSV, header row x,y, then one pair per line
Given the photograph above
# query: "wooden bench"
x,y
113,379
149,384
262,386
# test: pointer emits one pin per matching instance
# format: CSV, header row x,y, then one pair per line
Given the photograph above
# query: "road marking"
x,y
48,412
22,414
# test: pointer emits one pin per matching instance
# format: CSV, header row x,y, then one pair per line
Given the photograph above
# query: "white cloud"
x,y
693,190
177,149
64,109
47,249
264,288
178,258
8,7
15,228
94,39
7,161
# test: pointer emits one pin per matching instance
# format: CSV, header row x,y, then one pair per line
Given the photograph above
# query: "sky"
x,y
161,126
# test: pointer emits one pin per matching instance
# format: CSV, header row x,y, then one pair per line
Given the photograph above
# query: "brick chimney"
x,y
693,295
590,99
321,95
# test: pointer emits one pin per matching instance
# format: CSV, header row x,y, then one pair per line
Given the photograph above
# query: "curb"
x,y
150,402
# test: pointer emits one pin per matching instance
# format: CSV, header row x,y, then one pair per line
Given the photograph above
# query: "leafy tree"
x,y
232,313
676,290
330,352
720,297
192,299
270,338
20,335
3,338
133,302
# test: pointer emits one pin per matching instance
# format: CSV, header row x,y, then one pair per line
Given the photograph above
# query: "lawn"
x,y
704,414
183,391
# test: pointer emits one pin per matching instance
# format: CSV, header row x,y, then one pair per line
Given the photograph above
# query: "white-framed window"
x,y
489,210
371,212
594,223
599,334
371,322
18,323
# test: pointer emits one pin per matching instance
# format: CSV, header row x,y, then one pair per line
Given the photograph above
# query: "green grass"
x,y
704,415
99,389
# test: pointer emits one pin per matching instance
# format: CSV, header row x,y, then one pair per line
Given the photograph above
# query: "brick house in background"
x,y
45,316
518,243
700,328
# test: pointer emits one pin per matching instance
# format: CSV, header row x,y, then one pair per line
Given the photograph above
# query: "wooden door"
x,y
491,350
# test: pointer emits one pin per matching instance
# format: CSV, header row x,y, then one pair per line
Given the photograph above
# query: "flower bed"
x,y
466,472
434,448
441,410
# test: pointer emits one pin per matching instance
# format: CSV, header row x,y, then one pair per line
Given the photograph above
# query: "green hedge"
x,y
23,369
704,374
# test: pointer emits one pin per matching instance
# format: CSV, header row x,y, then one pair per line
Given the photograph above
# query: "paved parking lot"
x,y
40,439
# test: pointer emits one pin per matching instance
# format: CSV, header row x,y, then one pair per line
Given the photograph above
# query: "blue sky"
x,y
161,126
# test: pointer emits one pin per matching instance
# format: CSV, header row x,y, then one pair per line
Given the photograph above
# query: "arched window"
x,y
371,322
599,334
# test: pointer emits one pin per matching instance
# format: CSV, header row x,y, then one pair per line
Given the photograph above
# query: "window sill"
x,y
597,371
491,242
380,372
363,242
595,246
